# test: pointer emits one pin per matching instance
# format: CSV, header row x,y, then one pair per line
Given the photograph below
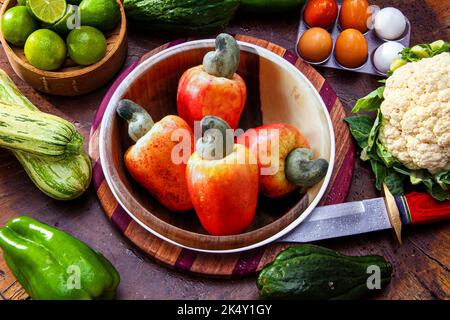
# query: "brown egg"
x,y
351,48
315,45
355,14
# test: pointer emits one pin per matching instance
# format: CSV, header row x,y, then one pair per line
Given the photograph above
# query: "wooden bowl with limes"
x,y
71,79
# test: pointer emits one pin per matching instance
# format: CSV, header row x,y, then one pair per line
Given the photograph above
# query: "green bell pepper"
x,y
53,265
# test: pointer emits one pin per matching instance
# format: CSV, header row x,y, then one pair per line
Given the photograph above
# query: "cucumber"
x,y
181,16
270,5
313,272
61,179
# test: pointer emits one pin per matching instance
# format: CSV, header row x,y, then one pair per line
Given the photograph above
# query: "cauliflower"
x,y
416,114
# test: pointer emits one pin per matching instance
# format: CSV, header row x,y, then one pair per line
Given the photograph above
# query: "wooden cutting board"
x,y
223,265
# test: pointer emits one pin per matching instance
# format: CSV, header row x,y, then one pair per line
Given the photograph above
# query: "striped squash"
x,y
38,133
61,179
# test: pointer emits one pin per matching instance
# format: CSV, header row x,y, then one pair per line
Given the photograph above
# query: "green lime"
x,y
101,14
45,49
17,25
22,2
86,45
47,11
69,22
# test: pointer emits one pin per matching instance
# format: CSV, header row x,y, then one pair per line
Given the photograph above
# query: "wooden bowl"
x,y
277,92
71,80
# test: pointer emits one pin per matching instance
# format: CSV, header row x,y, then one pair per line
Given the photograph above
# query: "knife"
x,y
388,212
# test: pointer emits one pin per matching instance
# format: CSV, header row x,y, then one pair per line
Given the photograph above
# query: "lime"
x,y
45,49
101,14
70,21
47,11
86,45
22,2
17,25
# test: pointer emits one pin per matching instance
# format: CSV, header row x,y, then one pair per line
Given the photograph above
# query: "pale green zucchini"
x,y
61,179
64,179
38,133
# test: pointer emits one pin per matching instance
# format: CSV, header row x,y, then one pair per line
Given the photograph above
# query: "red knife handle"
x,y
416,208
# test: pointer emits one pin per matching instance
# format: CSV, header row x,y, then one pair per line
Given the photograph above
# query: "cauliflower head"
x,y
416,114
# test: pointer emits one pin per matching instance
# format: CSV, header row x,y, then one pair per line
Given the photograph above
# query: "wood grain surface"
x,y
421,264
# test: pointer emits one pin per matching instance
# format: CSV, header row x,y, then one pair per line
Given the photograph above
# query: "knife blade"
x,y
342,220
371,215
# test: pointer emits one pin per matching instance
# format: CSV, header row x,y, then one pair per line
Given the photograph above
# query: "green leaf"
x,y
380,172
443,179
416,176
360,127
390,177
425,178
365,132
439,46
370,102
421,51
373,134
365,155
438,193
395,64
409,55
387,157
394,182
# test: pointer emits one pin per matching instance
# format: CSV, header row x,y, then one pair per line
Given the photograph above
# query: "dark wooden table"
x,y
421,264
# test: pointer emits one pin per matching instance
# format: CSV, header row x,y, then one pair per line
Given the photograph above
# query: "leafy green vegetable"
x,y
370,102
373,135
443,179
360,127
394,182
418,52
385,156
437,192
439,46
386,168
380,172
421,51
365,132
429,181
389,176
395,64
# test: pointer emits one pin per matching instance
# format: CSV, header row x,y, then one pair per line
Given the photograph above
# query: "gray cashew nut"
x,y
302,171
224,61
217,141
139,121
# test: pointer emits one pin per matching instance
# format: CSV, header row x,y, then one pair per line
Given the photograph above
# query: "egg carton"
x,y
373,41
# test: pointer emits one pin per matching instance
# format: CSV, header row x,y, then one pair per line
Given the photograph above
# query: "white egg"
x,y
390,23
384,55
